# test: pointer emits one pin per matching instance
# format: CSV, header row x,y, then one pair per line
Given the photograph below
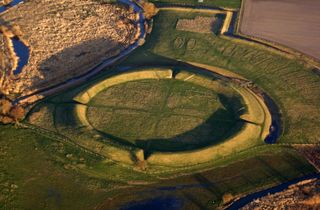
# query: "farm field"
x,y
213,3
192,118
292,84
294,24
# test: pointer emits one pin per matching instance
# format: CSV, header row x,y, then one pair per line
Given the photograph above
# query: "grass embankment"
x,y
246,172
213,3
41,173
184,121
292,84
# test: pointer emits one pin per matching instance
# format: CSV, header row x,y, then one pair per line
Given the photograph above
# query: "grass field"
x,y
62,162
293,85
214,3
163,115
204,190
38,172
33,173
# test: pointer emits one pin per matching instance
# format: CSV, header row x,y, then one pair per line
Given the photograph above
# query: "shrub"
x,y
5,106
17,113
226,198
149,9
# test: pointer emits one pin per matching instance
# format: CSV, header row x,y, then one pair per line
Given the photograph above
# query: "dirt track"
x,y
292,23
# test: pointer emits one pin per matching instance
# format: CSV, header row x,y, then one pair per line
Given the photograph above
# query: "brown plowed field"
x,y
292,23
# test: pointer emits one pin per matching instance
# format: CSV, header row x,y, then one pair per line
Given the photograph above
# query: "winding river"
x,y
21,50
251,197
13,3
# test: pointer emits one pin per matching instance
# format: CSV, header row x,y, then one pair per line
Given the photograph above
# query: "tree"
x,y
17,113
5,106
149,10
6,2
6,120
226,198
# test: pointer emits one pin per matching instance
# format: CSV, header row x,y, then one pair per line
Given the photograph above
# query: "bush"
x,y
17,113
5,106
149,9
10,113
227,198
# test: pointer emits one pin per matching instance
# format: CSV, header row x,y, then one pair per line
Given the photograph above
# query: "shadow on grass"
x,y
221,125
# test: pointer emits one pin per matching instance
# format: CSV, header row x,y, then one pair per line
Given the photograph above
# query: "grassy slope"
x,y
31,178
214,3
39,173
259,169
293,86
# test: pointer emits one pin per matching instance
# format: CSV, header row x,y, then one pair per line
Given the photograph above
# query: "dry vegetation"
x,y
150,9
66,39
303,195
199,24
10,113
5,2
7,61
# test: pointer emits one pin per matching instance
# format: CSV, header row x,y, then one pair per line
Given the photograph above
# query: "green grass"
x,y
249,171
44,172
33,174
215,3
165,115
41,173
289,82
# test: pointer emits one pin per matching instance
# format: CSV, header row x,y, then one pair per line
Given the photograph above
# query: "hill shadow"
x,y
74,66
77,61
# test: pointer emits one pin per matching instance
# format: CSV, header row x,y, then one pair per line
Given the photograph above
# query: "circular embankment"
x,y
171,118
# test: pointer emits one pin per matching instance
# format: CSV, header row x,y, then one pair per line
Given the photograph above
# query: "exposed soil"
x,y
292,23
303,195
66,39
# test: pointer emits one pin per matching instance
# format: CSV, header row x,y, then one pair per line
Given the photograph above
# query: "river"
x,y
21,50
